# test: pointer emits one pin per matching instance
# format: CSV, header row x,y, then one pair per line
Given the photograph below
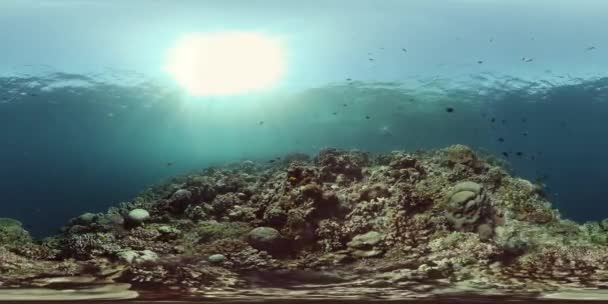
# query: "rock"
x,y
466,206
364,245
138,215
373,192
168,233
265,238
485,232
180,200
367,253
136,257
216,258
86,218
12,233
468,186
366,240
180,195
127,256
166,229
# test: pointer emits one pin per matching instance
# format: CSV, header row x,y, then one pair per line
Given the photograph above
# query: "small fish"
x,y
591,48
371,59
261,122
491,39
524,120
532,157
449,109
272,161
404,50
524,134
505,154
344,105
334,113
479,61
529,60
386,131
169,164
367,117
348,79
493,119
500,139
504,121
519,153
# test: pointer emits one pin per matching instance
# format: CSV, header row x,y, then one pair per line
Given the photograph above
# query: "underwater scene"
x,y
339,151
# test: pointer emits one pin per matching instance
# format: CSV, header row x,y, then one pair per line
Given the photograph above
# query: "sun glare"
x,y
225,63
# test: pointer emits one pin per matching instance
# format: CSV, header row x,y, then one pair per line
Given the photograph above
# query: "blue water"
x,y
76,149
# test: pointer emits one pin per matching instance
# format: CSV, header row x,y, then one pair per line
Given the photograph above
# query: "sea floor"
x,y
445,226
123,293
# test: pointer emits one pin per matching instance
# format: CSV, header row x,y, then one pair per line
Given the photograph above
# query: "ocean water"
x,y
89,118
67,150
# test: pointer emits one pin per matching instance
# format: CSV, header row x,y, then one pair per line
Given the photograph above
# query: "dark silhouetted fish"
x,y
500,139
519,153
169,164
505,154
591,48
367,117
335,113
261,122
479,61
404,50
449,109
348,79
493,119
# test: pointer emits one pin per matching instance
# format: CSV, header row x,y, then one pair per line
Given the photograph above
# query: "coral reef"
x,y
416,221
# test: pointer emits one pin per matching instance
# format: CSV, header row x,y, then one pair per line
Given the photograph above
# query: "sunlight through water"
x,y
225,63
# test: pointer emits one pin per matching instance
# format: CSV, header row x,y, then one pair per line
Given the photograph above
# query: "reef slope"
x,y
343,224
